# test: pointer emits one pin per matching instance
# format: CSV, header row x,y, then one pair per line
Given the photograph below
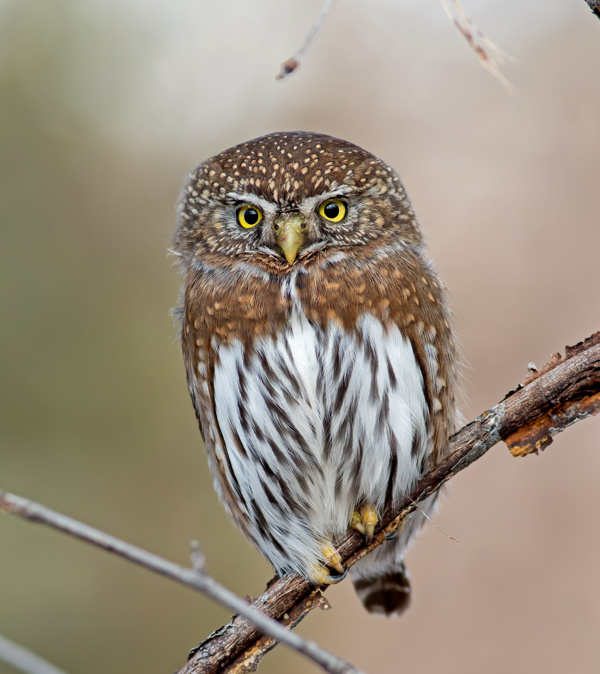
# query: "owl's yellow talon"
x,y
364,520
370,519
332,557
320,574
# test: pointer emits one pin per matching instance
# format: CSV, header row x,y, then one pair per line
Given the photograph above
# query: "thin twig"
x,y
489,54
562,392
288,66
23,660
194,578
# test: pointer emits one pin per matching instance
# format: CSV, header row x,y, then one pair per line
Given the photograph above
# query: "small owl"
x,y
318,351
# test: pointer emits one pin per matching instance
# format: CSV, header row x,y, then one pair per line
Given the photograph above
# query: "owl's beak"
x,y
290,234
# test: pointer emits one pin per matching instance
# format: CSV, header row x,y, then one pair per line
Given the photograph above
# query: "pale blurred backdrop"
x,y
105,105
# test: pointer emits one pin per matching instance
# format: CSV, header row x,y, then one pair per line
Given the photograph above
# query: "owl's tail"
x,y
387,594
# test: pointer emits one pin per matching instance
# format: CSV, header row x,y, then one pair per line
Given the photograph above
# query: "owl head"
x,y
286,198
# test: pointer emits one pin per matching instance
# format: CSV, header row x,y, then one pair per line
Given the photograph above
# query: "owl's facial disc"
x,y
290,234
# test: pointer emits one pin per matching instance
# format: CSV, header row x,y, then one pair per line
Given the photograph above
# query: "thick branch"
x,y
564,391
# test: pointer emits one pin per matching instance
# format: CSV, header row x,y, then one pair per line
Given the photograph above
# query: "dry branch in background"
x,y
565,390
195,578
489,54
289,65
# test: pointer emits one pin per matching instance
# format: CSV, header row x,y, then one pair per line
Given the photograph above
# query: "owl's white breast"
x,y
316,421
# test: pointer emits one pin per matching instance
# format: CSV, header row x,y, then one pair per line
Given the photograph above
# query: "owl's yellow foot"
x,y
332,557
321,575
364,520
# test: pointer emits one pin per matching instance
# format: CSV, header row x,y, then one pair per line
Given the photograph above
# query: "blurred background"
x,y
105,106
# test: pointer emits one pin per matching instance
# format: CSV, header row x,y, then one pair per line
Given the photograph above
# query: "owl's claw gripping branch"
x,y
364,520
322,576
370,519
332,557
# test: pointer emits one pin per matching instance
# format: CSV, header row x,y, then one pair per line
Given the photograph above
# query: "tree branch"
x,y
195,578
564,391
489,54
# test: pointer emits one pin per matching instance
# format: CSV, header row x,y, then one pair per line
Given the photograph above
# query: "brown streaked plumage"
x,y
318,350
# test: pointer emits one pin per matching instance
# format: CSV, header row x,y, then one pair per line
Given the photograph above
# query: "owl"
x,y
318,351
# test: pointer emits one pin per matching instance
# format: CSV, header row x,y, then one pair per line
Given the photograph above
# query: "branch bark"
x,y
565,390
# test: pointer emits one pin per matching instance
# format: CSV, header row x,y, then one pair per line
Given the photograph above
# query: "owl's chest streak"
x,y
339,411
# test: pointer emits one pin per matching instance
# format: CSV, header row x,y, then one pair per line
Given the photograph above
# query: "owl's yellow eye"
x,y
249,216
333,210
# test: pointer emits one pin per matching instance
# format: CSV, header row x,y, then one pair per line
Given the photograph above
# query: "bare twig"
x,y
23,660
489,54
288,66
194,578
564,391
